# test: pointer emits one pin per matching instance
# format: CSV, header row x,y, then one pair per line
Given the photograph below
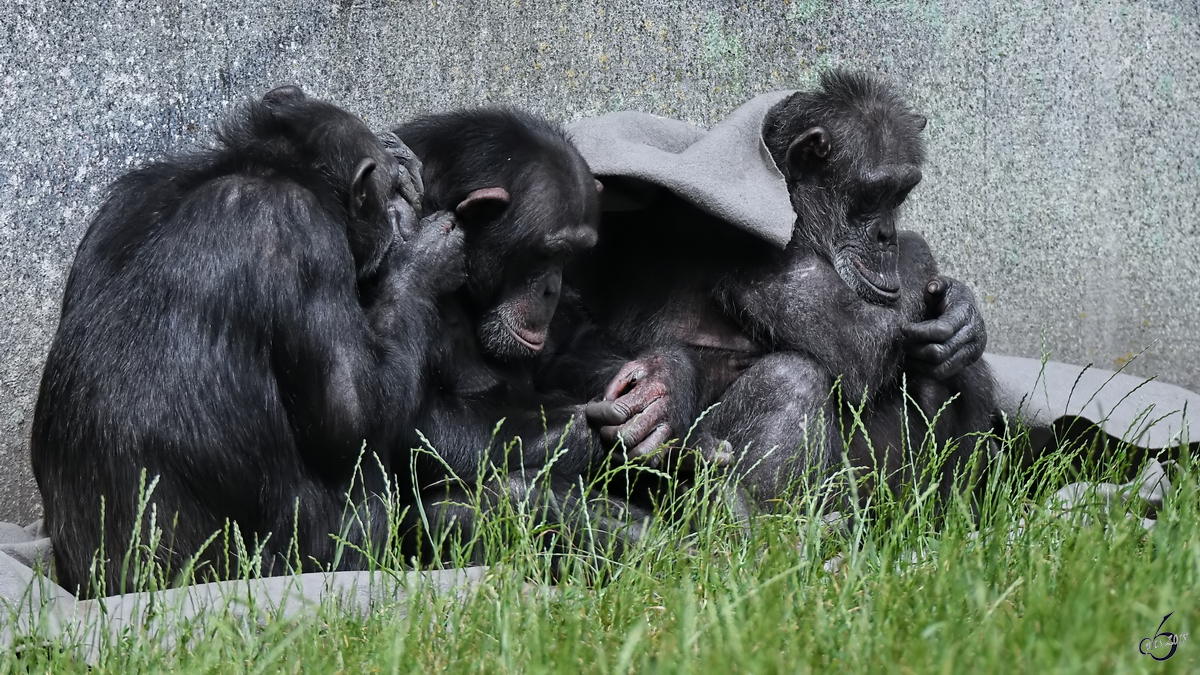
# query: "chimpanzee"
x,y
768,329
526,202
834,305
236,324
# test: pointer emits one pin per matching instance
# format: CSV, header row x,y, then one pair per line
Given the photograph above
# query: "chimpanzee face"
x,y
851,174
517,324
516,254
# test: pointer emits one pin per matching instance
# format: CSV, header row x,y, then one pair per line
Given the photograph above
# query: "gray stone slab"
x,y
34,609
1140,411
1062,183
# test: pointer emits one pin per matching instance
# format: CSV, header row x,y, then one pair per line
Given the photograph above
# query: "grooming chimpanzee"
x,y
526,203
773,327
237,322
835,305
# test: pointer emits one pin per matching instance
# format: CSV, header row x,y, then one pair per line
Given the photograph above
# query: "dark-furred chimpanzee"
x,y
236,324
774,326
526,202
834,306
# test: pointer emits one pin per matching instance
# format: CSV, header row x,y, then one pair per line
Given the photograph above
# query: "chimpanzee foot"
x,y
707,452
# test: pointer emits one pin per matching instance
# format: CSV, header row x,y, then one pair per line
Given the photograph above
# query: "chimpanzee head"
x,y
526,201
335,155
851,152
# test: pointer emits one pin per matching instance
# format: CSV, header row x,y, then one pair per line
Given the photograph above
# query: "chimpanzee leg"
x,y
563,512
778,426
962,411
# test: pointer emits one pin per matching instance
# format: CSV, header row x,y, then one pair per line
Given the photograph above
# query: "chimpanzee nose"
x,y
883,231
550,285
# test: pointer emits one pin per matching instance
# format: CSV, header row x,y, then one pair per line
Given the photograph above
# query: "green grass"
x,y
1003,584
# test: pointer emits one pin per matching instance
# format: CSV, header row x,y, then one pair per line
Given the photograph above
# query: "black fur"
x,y
236,324
480,371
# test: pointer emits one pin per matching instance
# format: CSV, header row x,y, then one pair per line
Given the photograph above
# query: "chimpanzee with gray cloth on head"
x,y
766,332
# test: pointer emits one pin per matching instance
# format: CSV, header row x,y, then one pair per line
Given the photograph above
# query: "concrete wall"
x,y
1064,174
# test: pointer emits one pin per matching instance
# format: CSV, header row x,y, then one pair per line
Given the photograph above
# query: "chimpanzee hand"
x,y
953,339
636,408
428,253
410,184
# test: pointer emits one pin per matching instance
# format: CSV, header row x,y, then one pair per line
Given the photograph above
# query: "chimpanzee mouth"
x,y
886,288
534,341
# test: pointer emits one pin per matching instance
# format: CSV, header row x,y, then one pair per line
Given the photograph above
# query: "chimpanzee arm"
x,y
947,334
471,416
349,372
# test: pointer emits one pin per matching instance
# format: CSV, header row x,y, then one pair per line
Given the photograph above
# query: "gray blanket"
x,y
34,608
725,171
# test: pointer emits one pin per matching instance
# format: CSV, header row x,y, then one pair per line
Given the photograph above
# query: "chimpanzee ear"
x,y
921,120
599,186
482,205
360,186
808,147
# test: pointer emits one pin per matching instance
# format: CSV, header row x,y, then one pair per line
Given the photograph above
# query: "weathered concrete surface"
x,y
1063,184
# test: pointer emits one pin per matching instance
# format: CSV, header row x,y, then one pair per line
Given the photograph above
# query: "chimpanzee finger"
x,y
629,374
720,455
717,453
934,331
403,219
442,221
944,360
956,317
606,413
962,310
646,394
610,434
951,366
409,187
931,354
935,294
641,425
404,155
657,437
